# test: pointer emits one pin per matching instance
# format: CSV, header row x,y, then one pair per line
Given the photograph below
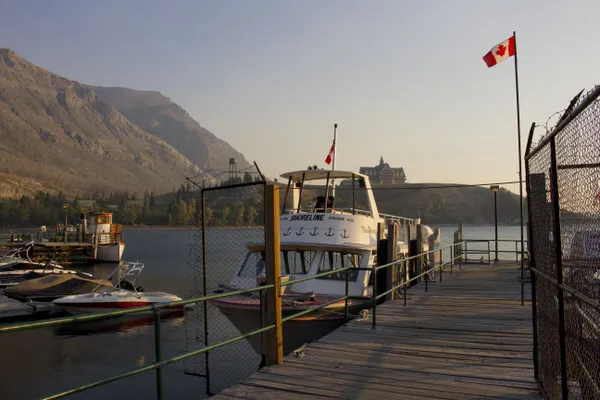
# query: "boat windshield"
x,y
292,262
332,260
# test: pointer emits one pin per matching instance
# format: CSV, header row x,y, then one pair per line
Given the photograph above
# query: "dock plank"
x,y
467,337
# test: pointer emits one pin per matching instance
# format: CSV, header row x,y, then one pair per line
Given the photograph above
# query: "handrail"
x,y
590,302
158,364
134,310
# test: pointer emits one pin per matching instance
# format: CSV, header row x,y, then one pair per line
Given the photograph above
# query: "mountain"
x,y
157,114
58,135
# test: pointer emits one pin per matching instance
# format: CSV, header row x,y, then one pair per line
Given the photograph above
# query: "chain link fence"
x,y
233,217
563,189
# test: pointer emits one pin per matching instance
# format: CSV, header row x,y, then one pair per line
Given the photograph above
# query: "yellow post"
x,y
272,250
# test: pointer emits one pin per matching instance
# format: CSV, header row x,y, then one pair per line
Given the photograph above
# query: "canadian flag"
x,y
500,52
330,155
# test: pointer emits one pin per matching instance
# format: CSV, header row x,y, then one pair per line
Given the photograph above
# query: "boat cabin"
x,y
320,185
299,261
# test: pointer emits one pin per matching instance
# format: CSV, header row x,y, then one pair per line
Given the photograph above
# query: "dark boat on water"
x,y
54,286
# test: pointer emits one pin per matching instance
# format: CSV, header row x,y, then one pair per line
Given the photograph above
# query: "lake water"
x,y
46,361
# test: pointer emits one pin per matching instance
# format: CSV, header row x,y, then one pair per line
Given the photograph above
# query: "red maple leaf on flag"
x,y
501,50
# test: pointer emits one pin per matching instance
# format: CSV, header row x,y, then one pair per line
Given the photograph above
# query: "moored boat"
x,y
121,296
314,239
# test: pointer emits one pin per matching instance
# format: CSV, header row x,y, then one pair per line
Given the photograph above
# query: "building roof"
x,y
320,174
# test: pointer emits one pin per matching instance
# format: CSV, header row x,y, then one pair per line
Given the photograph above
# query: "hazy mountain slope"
x,y
157,114
59,133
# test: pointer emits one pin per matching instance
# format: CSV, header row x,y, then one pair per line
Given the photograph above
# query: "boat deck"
x,y
468,337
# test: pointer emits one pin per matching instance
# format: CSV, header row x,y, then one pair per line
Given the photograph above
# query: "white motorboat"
x,y
121,296
314,239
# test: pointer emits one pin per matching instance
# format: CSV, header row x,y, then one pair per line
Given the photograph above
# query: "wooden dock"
x,y
11,308
468,337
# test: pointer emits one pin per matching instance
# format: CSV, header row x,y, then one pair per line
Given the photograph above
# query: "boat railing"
x,y
160,363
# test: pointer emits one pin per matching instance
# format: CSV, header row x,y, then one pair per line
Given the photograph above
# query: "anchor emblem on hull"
x,y
329,233
314,232
344,235
286,233
300,232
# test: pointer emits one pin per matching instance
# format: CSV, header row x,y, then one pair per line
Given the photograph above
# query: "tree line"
x,y
229,207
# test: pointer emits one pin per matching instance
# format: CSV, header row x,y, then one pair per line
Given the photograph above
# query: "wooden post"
x,y
391,272
382,259
419,260
274,337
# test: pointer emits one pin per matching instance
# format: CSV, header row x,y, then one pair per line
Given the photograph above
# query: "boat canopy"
x,y
311,174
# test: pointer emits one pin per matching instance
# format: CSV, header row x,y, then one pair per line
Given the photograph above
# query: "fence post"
x,y
391,248
204,290
346,300
419,250
374,297
441,265
451,259
274,337
405,280
157,353
559,267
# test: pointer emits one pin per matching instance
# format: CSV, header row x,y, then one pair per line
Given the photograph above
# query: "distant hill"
x,y
157,114
57,135
437,203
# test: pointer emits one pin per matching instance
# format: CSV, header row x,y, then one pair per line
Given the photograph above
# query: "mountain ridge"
x,y
60,135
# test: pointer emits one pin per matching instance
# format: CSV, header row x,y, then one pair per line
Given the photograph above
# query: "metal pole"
x,y
374,297
496,223
426,276
66,221
157,353
531,244
346,300
441,266
333,159
204,278
405,280
451,259
520,170
559,269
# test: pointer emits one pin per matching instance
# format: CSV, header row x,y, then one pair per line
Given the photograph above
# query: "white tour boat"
x,y
314,239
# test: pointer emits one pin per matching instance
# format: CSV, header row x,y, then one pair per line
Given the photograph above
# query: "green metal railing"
x,y
492,248
156,309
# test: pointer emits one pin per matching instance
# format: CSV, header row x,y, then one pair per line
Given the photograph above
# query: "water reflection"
x,y
126,325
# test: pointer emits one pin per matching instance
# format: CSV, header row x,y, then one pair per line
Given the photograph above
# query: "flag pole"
x,y
520,170
333,158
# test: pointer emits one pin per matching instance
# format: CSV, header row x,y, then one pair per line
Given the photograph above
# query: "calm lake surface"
x,y
42,362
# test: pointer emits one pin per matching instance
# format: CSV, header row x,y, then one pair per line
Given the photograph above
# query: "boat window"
x,y
331,260
296,261
254,265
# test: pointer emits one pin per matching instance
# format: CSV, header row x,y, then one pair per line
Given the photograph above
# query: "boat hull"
x,y
91,308
110,252
119,300
296,332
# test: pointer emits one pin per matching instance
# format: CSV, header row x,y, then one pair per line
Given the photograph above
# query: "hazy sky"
x,y
403,79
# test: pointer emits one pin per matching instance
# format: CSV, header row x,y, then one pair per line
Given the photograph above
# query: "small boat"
x,y
114,298
51,287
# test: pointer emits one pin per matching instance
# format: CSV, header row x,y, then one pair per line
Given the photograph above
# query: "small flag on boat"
x,y
330,155
500,52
